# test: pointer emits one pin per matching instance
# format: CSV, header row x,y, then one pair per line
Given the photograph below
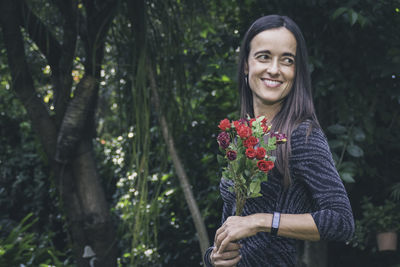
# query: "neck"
x,y
269,111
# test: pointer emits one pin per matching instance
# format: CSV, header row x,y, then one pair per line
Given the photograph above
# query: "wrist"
x,y
261,222
276,217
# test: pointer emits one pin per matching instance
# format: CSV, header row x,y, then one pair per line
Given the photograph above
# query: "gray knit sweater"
x,y
316,188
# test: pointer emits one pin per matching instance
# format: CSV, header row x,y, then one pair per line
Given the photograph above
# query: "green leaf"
x,y
359,135
259,119
226,175
242,180
262,176
204,33
221,160
354,17
355,151
241,164
271,141
347,177
255,187
348,166
362,20
225,78
339,12
335,143
337,129
250,164
239,142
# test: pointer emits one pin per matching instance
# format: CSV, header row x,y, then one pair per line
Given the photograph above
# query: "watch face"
x,y
275,220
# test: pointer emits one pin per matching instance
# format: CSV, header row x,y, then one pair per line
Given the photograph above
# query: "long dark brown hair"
x,y
297,106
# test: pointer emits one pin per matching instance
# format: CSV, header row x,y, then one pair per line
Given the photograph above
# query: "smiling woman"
x,y
304,197
270,69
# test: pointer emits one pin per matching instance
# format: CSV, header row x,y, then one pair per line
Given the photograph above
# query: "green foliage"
x,y
381,218
24,185
345,150
396,192
20,247
194,45
375,219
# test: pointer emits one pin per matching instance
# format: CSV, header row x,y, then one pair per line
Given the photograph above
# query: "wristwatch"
x,y
275,223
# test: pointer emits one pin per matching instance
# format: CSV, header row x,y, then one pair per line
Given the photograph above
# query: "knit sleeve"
x,y
227,209
311,161
207,257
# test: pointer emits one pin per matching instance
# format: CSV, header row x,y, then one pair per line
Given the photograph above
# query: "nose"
x,y
273,68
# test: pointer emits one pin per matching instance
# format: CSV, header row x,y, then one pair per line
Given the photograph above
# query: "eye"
x,y
288,61
263,57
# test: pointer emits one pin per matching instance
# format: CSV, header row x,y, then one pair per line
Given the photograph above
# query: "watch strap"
x,y
275,223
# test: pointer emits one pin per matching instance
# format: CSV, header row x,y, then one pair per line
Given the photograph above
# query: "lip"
x,y
271,82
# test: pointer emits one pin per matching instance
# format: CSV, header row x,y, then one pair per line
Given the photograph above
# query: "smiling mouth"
x,y
271,83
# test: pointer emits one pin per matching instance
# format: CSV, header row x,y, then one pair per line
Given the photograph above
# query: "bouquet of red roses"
x,y
246,145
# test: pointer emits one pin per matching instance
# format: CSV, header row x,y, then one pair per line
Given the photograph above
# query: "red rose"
x,y
264,121
244,131
251,122
223,140
250,142
224,125
231,154
260,153
251,153
266,128
264,165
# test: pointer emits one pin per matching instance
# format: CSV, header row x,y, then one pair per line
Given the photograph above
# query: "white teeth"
x,y
272,83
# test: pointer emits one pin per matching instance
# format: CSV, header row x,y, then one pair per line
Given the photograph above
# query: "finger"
x,y
234,261
219,231
219,257
228,263
219,239
224,243
233,246
213,255
230,255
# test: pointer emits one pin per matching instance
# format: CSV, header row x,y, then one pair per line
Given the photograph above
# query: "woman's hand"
x,y
227,258
235,228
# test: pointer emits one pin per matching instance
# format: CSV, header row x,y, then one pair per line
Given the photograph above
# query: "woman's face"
x,y
271,65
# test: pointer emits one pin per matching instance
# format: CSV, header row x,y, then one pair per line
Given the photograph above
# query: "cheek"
x,y
290,74
253,66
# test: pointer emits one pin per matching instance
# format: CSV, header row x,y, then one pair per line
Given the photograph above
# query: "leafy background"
x,y
354,49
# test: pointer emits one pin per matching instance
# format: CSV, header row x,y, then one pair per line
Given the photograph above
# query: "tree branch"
x,y
99,17
63,81
43,38
59,57
75,118
22,79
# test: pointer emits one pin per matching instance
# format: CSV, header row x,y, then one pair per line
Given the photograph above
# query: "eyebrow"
x,y
269,52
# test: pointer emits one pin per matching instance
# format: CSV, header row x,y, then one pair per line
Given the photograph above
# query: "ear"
x,y
246,68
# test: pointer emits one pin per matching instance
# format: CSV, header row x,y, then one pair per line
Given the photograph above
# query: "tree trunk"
x,y
86,207
180,171
76,178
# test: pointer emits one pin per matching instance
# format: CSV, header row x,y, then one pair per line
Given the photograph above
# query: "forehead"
x,y
277,41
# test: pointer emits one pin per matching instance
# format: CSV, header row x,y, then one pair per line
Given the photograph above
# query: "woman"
x,y
304,197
